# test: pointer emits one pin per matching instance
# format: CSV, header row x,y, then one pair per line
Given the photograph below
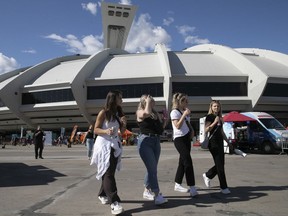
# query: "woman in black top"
x,y
214,125
149,148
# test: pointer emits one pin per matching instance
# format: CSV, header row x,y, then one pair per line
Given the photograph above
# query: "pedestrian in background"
x,y
151,127
108,149
214,125
182,133
89,141
39,142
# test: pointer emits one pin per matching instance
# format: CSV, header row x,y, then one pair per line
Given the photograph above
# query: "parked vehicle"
x,y
262,132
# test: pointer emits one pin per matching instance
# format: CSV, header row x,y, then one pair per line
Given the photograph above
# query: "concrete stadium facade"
x,y
71,90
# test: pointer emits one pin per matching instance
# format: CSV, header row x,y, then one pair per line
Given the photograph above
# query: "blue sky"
x,y
33,31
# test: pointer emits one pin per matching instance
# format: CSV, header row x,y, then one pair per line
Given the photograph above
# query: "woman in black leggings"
x,y
214,125
182,133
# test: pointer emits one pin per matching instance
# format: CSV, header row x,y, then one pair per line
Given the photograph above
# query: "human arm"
x,y
147,111
179,122
98,125
123,124
210,124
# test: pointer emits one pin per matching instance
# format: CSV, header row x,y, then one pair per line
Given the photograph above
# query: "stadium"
x,y
70,90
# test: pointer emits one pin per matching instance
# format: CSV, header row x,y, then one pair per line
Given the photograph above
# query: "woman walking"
x,y
108,149
214,125
182,133
149,147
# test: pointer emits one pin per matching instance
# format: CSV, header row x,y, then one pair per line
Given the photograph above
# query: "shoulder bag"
x,y
205,143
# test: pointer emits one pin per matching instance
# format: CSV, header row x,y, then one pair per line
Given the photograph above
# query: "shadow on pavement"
x,y
20,174
238,194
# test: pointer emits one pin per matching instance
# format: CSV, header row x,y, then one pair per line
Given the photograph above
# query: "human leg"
x,y
36,147
89,145
149,152
183,146
109,182
218,169
41,147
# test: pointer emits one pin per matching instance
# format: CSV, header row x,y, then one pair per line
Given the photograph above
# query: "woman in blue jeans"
x,y
151,127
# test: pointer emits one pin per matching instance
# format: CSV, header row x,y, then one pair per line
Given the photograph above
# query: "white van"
x,y
264,133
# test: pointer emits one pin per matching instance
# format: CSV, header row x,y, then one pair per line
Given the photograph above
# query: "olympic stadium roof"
x,y
71,90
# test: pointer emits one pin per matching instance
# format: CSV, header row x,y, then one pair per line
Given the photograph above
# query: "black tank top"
x,y
149,125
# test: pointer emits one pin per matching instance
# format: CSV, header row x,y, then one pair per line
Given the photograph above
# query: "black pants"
x,y
185,165
38,148
217,151
108,186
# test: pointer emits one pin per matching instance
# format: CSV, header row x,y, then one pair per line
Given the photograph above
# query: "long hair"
x,y
177,99
142,105
210,108
111,109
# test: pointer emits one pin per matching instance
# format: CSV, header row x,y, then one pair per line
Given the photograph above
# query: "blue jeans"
x,y
149,149
89,145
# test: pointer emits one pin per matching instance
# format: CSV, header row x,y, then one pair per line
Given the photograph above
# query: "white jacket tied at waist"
x,y
102,149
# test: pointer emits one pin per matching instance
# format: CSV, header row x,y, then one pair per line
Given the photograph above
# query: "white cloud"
x,y
195,40
187,33
31,51
7,64
168,21
144,35
87,45
142,38
125,2
91,7
185,29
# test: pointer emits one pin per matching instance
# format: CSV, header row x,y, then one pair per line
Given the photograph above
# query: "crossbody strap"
x,y
213,133
186,121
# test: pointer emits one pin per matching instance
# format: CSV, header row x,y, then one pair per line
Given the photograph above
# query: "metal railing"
x,y
284,140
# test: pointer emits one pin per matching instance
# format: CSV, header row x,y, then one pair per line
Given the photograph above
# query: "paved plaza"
x,y
64,184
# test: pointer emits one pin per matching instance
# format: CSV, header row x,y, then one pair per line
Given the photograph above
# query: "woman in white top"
x,y
182,133
108,149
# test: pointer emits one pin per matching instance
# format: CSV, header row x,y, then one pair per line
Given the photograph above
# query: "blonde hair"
x,y
142,104
210,107
177,99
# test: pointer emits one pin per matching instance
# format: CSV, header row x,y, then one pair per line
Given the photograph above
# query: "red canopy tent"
x,y
236,117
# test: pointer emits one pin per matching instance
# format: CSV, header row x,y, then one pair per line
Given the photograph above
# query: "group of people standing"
x,y
108,149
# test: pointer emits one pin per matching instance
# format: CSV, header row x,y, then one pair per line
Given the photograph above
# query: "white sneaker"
x,y
225,191
206,180
159,199
148,194
116,208
179,188
103,199
193,191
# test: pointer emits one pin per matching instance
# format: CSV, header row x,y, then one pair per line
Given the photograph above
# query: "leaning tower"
x,y
116,20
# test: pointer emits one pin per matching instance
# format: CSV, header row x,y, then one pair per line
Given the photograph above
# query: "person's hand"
x,y
109,131
187,112
149,99
123,120
217,120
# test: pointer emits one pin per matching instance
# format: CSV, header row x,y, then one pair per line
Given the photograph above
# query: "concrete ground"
x,y
64,184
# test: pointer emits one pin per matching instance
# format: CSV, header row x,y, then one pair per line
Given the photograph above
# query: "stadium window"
x,y
47,96
128,91
211,88
125,14
111,13
276,90
118,13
